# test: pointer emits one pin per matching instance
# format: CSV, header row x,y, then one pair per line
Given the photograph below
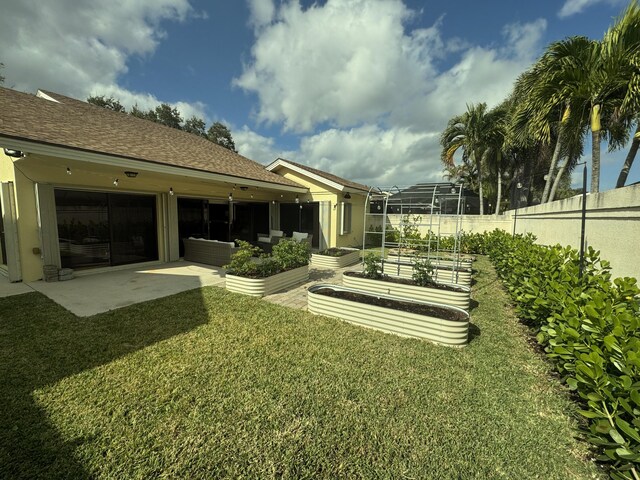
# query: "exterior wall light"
x,y
171,191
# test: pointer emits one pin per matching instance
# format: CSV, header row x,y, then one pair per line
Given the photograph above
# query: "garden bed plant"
x,y
258,274
421,286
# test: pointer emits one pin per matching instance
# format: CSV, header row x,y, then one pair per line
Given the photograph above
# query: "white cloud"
x,y
360,68
373,87
373,155
81,47
261,12
572,7
258,147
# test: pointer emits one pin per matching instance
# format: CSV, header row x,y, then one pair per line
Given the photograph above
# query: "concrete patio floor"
x,y
8,289
88,295
92,294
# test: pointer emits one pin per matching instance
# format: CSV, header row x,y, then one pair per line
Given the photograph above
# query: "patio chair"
x,y
302,237
266,242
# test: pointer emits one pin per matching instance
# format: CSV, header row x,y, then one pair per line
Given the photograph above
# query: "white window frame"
x,y
346,210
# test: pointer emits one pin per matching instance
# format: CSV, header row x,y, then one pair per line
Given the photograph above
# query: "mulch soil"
x,y
407,281
420,309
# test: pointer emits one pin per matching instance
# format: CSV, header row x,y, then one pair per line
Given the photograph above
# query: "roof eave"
x,y
283,163
59,151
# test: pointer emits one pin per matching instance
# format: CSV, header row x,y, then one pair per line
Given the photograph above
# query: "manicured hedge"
x,y
589,327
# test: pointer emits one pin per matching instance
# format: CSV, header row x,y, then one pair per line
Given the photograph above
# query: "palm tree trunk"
x,y
499,195
595,149
479,184
624,173
556,182
552,167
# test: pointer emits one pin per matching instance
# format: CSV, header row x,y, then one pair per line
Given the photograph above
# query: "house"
x,y
92,189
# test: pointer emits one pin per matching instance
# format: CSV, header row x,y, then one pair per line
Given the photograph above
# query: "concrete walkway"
x,y
91,294
8,289
297,296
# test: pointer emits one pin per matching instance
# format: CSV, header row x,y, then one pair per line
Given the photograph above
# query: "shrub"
x,y
372,266
241,263
588,327
290,254
422,271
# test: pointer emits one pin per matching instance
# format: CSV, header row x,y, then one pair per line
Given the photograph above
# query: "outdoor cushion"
x,y
299,236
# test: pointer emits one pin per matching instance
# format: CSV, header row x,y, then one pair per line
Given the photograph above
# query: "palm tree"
x,y
473,132
613,84
631,155
545,96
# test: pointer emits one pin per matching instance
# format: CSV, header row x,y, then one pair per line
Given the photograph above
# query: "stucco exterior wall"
x,y
26,172
319,192
612,226
447,224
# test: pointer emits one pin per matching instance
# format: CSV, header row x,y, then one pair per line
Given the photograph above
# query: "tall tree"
x,y
1,77
148,115
196,126
169,116
631,155
472,132
546,94
109,103
220,134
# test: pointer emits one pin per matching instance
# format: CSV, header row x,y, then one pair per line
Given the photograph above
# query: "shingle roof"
x,y
329,176
79,125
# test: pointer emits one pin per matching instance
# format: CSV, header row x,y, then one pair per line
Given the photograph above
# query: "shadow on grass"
x,y
42,343
474,332
473,304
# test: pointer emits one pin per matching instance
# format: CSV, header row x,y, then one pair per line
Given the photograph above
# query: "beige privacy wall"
x,y
612,225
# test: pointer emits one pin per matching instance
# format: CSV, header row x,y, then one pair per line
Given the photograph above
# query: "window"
x,y
345,214
101,229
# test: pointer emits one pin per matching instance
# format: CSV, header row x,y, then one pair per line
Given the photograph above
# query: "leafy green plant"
x,y
372,266
242,263
422,271
588,327
289,253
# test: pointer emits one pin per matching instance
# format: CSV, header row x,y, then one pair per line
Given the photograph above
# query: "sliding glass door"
x,y
98,229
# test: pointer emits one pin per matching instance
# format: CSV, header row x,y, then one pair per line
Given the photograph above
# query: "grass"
x,y
209,384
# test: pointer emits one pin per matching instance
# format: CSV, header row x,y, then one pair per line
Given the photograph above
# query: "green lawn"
x,y
209,384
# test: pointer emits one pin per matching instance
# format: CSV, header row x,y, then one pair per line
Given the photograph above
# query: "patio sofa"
x,y
210,252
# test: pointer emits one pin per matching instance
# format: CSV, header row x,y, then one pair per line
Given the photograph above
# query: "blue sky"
x,y
361,88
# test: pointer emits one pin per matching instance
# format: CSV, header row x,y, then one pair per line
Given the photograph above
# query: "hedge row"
x,y
589,327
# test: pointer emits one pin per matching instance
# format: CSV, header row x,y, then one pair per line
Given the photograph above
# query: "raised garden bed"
x,y
335,258
454,295
441,274
411,318
436,262
259,287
